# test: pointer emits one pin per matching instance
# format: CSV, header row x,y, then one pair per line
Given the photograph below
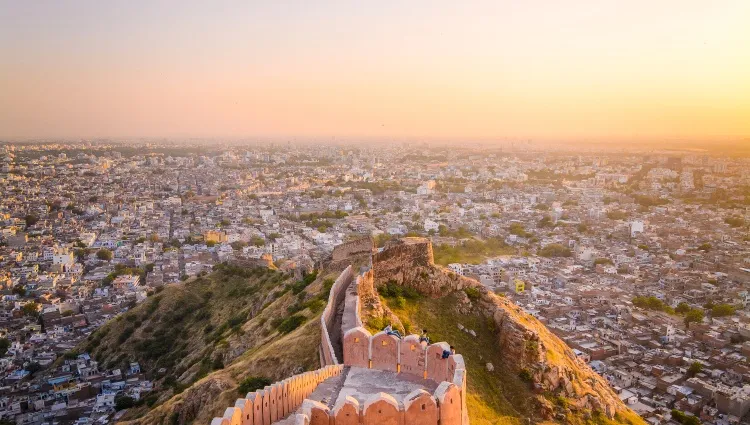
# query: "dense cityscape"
x,y
638,260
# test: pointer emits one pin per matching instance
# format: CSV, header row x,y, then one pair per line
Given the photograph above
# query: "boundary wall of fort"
x,y
288,399
335,297
276,401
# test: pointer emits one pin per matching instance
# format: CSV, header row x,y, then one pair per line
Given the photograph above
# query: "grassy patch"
x,y
494,397
471,252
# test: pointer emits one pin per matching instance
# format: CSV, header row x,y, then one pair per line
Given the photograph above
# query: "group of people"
x,y
423,339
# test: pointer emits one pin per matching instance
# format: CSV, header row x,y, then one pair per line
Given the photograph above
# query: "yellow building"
x,y
215,236
519,285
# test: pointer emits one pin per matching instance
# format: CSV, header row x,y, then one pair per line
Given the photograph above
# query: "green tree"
x,y
4,345
104,254
31,219
682,308
124,402
252,383
33,368
684,419
722,310
693,316
30,309
735,221
695,369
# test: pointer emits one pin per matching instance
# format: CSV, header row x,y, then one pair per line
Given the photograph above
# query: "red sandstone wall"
x,y
361,349
277,401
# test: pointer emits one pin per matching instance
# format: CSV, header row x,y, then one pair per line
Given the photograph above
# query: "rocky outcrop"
x,y
526,345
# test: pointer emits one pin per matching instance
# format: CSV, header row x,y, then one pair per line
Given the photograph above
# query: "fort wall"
x,y
337,294
276,401
353,248
288,399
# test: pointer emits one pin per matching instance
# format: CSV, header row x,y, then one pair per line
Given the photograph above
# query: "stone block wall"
x,y
353,248
338,292
276,401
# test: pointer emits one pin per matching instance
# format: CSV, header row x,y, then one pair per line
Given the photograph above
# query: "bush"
x,y
735,221
104,254
399,302
252,383
684,419
291,323
378,323
393,290
472,293
722,310
124,402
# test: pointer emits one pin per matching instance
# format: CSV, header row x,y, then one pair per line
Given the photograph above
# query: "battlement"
x,y
372,380
276,401
418,407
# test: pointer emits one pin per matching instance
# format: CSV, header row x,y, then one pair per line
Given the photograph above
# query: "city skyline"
x,y
487,71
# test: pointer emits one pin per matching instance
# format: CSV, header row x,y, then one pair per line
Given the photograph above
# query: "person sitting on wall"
x,y
424,338
390,331
448,353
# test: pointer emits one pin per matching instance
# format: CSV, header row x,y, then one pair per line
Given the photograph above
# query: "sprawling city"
x,y
640,262
487,212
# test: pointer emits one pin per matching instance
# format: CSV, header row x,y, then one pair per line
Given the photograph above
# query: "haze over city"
x,y
594,71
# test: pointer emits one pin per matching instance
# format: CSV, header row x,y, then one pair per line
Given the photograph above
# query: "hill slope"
x,y
535,376
199,340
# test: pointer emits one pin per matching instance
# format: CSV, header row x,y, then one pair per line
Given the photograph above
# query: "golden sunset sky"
x,y
578,70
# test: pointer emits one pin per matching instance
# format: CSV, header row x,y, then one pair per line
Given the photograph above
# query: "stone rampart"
x,y
336,296
276,401
288,401
417,408
356,247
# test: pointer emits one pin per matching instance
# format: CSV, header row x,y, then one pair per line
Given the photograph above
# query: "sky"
x,y
481,70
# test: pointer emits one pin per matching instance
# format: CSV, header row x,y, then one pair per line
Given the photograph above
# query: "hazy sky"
x,y
496,69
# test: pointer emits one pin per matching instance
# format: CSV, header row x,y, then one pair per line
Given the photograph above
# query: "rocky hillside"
x,y
200,340
517,368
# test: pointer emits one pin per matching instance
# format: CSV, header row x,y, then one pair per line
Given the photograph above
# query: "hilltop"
x,y
202,340
517,368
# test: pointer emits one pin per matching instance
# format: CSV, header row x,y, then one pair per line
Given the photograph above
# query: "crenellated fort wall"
x,y
287,401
